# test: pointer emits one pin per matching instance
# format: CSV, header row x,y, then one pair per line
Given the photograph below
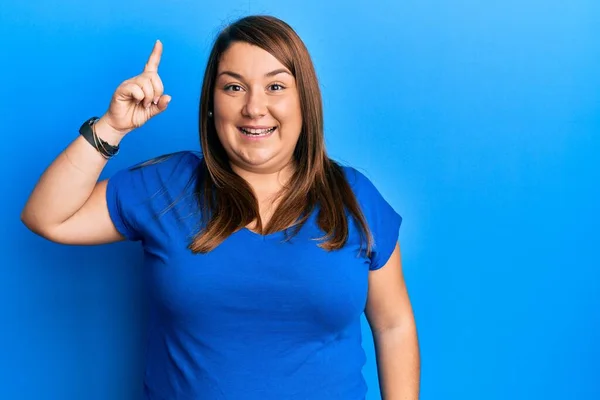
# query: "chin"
x,y
257,162
261,163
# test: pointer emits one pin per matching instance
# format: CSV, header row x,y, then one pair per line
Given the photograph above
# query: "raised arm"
x,y
68,203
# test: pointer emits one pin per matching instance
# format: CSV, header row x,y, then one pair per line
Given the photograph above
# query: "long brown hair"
x,y
227,200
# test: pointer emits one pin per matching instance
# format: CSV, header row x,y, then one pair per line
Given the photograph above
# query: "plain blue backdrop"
x,y
478,120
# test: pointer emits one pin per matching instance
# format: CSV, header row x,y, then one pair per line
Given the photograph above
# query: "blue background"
x,y
478,120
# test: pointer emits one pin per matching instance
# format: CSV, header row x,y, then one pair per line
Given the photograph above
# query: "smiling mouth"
x,y
257,132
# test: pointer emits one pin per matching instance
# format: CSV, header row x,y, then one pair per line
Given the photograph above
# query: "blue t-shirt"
x,y
256,318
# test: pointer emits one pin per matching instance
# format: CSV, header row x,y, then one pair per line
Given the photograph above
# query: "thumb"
x,y
162,104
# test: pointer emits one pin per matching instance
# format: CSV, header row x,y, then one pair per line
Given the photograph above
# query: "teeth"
x,y
257,132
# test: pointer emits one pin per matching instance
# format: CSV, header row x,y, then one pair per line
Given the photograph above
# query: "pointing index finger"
x,y
154,59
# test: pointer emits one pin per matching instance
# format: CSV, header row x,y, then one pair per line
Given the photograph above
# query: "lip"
x,y
257,138
257,126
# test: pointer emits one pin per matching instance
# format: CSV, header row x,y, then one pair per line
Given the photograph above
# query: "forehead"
x,y
248,60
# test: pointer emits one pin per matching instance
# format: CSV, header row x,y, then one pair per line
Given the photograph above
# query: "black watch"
x,y
87,131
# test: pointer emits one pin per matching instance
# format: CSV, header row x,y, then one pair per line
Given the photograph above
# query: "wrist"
x,y
107,133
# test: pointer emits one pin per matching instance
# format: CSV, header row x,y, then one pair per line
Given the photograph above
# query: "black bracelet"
x,y
88,131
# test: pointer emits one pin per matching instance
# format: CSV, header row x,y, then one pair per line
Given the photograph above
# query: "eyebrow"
x,y
267,75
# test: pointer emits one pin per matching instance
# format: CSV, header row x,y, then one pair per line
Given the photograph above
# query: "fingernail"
x,y
156,100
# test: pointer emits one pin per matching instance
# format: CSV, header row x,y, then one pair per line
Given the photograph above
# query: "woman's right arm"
x,y
68,203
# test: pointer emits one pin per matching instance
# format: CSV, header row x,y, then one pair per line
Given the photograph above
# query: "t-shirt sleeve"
x,y
383,220
122,196
136,195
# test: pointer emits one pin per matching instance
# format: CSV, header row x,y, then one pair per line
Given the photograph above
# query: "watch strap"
x,y
89,133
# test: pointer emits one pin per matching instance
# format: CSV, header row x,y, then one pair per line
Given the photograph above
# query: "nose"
x,y
256,104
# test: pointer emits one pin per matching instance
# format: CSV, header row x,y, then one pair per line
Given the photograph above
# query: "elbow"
x,y
32,223
31,226
27,219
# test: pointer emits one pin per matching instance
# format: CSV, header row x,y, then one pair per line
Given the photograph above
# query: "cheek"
x,y
287,111
225,107
224,113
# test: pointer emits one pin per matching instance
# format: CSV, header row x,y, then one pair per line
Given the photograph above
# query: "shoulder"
x,y
365,190
135,193
381,217
167,164
167,170
362,186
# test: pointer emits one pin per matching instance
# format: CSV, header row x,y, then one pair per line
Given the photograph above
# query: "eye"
x,y
233,88
276,87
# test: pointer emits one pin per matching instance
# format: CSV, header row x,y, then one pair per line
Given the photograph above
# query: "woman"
x,y
261,253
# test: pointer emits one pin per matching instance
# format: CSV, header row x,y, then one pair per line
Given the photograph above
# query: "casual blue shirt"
x,y
255,318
